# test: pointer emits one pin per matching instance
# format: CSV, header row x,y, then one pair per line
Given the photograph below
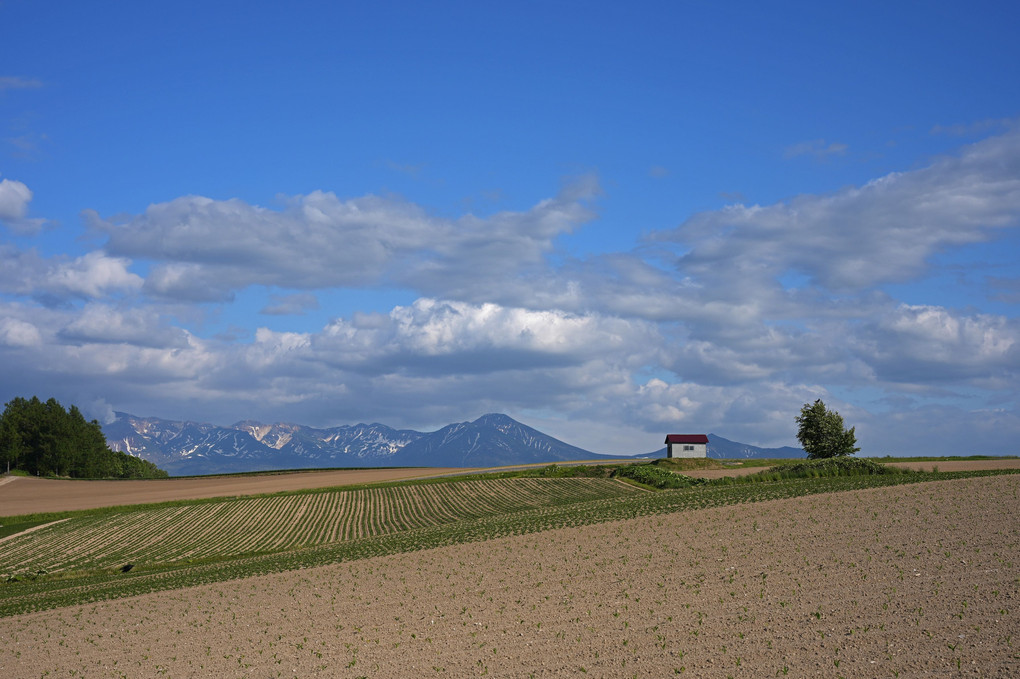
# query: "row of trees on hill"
x,y
45,439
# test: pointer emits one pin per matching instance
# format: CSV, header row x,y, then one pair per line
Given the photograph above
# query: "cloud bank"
x,y
726,323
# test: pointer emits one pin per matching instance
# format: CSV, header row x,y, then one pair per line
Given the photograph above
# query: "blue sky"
x,y
609,221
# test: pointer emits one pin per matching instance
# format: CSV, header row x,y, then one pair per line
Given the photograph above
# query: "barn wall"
x,y
677,450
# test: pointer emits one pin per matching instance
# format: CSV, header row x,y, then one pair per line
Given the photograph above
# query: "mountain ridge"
x,y
198,448
195,448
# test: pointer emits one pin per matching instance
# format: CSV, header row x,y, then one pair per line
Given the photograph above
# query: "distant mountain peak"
x,y
496,417
494,439
498,420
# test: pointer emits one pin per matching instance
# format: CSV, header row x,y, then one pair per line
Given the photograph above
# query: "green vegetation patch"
x,y
654,476
589,471
835,466
15,528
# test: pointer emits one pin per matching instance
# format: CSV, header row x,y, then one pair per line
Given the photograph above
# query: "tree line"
x,y
46,440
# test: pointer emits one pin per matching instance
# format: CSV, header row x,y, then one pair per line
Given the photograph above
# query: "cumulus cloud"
x,y
726,324
758,412
423,363
206,249
58,279
14,199
99,409
437,361
860,237
925,345
92,275
62,351
18,333
102,324
449,337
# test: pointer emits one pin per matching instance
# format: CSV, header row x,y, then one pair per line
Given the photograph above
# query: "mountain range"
x,y
193,448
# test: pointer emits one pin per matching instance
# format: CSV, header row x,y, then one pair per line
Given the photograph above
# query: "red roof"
x,y
686,438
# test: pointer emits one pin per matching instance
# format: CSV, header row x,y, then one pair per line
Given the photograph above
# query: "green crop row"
x,y
235,526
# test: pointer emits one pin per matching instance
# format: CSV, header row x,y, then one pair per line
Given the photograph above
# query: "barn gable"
x,y
686,445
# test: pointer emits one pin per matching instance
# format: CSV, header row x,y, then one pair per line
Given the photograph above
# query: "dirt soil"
x,y
910,581
944,465
28,495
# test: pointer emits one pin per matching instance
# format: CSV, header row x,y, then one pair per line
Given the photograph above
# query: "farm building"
x,y
686,445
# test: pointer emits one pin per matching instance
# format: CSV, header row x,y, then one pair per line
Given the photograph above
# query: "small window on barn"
x,y
688,447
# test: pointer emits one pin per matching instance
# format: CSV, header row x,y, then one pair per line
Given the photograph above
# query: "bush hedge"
x,y
656,477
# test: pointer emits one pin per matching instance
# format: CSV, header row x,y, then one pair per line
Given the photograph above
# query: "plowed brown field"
x,y
907,581
27,495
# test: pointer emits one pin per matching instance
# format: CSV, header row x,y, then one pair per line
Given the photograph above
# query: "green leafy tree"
x,y
822,434
43,438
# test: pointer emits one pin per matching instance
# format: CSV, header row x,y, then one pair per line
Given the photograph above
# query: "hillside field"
x,y
27,495
528,577
173,533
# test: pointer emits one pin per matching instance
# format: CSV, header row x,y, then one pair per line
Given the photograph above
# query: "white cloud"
x,y
17,333
99,409
187,283
93,275
90,276
14,199
727,324
438,361
63,350
448,337
923,345
206,249
101,324
859,237
759,413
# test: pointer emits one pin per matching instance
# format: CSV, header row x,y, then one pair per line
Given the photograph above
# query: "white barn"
x,y
686,445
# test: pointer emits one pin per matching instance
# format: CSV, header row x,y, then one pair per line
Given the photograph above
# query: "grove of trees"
x,y
821,432
45,439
